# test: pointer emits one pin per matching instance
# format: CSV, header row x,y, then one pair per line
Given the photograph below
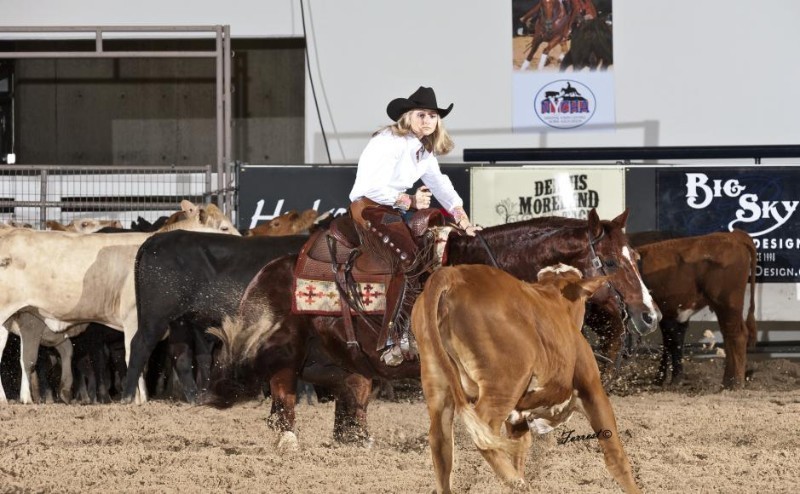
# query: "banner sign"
x,y
762,201
562,73
269,191
505,195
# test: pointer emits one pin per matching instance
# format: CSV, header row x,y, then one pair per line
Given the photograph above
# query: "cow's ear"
x,y
55,225
187,206
582,289
622,219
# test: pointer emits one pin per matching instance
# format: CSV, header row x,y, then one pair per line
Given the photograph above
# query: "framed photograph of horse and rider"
x,y
562,64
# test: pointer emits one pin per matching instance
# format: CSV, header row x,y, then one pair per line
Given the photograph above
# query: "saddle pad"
x,y
320,297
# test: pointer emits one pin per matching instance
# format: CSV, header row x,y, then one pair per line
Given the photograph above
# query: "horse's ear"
x,y
622,219
595,228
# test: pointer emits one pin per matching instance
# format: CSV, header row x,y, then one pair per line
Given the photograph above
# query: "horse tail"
x,y
237,375
750,322
429,317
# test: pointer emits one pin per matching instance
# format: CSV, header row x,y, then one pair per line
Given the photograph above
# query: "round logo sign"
x,y
564,104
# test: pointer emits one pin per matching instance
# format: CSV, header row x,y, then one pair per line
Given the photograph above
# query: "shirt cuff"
x,y
403,202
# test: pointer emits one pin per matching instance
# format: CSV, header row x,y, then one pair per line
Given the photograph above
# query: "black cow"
x,y
187,282
98,357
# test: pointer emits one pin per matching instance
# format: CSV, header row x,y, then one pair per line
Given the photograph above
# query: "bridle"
x,y
600,267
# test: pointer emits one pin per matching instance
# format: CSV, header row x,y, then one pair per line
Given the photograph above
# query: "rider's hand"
x,y
471,229
422,198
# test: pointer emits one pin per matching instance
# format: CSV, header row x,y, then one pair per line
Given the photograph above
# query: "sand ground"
x,y
690,438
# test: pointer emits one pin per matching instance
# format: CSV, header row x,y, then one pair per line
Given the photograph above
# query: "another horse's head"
x,y
625,294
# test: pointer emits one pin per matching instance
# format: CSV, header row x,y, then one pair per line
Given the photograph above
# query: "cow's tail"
x,y
237,376
436,310
750,322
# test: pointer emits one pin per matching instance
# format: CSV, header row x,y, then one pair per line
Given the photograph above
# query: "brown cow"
x,y
688,274
494,349
289,223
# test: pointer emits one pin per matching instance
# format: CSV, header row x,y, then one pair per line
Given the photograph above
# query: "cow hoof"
x,y
288,442
66,396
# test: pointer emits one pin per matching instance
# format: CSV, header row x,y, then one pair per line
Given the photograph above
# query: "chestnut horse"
x,y
269,342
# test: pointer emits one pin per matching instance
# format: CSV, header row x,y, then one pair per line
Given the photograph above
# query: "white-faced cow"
x,y
496,350
83,225
36,332
69,278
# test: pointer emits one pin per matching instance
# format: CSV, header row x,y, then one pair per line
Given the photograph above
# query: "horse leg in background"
x,y
305,390
382,389
734,340
351,391
669,328
352,399
679,338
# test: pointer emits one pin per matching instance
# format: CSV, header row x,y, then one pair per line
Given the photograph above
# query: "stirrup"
x,y
392,356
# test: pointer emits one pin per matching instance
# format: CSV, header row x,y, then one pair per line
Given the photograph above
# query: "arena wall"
x,y
686,72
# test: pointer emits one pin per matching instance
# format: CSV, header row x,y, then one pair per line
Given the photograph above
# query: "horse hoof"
x,y
288,442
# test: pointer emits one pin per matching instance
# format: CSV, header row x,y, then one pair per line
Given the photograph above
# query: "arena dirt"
x,y
688,438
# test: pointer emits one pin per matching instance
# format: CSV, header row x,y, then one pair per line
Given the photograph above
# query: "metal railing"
x,y
34,194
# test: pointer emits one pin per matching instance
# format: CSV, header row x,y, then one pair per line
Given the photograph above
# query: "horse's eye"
x,y
610,263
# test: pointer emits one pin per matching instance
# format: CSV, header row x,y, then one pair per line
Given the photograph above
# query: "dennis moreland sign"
x,y
762,201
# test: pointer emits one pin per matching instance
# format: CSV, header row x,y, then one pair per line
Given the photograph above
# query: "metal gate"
x,y
34,194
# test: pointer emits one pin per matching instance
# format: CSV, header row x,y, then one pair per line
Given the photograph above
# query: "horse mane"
x,y
543,226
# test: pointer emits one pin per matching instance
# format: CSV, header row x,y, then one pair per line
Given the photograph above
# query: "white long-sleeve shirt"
x,y
390,165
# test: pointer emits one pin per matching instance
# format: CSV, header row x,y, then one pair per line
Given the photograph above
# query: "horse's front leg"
x,y
352,394
352,399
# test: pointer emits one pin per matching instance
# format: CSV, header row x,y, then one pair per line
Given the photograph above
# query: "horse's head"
x,y
625,293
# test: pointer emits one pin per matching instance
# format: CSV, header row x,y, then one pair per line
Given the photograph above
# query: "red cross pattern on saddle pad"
x,y
322,297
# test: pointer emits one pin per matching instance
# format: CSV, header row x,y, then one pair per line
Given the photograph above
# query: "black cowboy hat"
x,y
424,97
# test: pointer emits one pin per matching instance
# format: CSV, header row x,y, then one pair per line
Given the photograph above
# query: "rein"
x,y
598,265
487,249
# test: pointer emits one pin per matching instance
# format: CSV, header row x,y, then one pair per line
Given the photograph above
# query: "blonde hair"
x,y
439,143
